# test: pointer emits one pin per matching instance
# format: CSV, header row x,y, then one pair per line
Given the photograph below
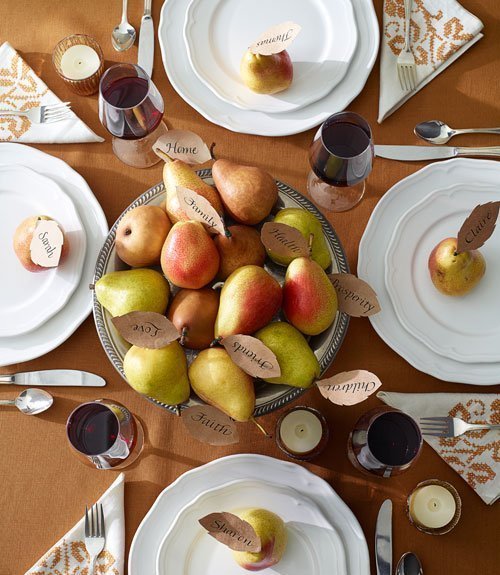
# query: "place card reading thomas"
x,y
46,244
275,39
355,297
198,208
209,425
252,355
283,240
182,145
478,227
349,387
146,329
232,531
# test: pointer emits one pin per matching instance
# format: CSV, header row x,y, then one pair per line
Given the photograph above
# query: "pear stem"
x,y
226,231
184,333
216,341
310,243
259,426
212,151
159,152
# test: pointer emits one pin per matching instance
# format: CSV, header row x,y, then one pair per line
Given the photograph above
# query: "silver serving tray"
x,y
268,396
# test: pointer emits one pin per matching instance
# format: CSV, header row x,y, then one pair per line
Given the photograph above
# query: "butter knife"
x,y
146,40
420,153
383,539
55,377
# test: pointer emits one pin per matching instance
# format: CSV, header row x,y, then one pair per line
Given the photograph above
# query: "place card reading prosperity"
x,y
46,244
146,329
252,355
209,425
275,39
229,529
478,227
283,240
198,208
182,145
349,387
356,298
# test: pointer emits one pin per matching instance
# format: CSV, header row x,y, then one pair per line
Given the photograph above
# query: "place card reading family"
x,y
146,329
198,208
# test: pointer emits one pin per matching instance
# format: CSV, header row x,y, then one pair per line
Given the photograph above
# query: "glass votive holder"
x,y
434,507
302,433
79,62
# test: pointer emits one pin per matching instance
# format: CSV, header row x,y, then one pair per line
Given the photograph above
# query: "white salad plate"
x,y
28,299
196,94
465,328
60,326
371,264
313,546
218,32
249,468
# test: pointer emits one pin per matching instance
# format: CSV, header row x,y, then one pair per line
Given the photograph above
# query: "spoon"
x,y
123,35
31,401
409,564
437,132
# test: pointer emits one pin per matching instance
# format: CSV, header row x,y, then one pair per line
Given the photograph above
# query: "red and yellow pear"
x,y
266,74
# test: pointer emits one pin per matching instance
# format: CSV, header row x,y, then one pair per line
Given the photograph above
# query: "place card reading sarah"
x,y
232,531
46,244
275,39
283,240
478,227
198,208
146,329
252,355
182,145
355,297
209,425
349,387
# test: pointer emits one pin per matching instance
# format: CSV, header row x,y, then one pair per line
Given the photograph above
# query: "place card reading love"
x,y
209,425
232,531
283,240
182,145
252,355
46,244
198,208
349,387
355,297
275,39
146,329
478,227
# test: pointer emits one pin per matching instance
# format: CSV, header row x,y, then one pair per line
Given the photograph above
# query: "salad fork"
x,y
43,114
450,426
406,59
95,536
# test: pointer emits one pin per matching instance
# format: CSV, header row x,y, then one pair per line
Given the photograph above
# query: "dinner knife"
x,y
383,539
55,377
419,153
146,40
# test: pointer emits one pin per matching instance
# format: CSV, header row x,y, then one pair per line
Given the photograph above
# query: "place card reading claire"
x,y
349,387
146,329
182,145
46,244
355,297
478,227
275,39
252,356
232,531
284,241
209,425
198,208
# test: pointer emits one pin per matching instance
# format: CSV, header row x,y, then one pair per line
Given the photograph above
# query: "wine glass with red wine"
x,y
341,158
131,109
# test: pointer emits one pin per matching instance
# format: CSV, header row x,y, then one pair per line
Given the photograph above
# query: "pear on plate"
x,y
158,373
139,289
218,381
273,536
266,74
299,366
242,248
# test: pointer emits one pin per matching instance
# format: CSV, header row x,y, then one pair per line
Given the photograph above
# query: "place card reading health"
x,y
283,240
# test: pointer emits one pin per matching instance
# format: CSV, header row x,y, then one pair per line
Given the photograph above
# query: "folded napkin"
x,y
474,455
69,555
441,31
22,89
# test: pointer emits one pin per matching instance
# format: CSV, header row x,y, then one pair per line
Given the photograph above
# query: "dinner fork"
x,y
95,536
450,426
406,59
43,114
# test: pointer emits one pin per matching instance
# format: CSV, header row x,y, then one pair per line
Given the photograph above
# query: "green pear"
x,y
217,380
307,224
133,290
158,373
299,366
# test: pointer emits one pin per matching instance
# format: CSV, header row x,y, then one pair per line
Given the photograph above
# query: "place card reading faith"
x,y
275,39
232,531
283,240
355,297
478,227
182,145
46,244
252,355
349,387
146,329
209,425
198,208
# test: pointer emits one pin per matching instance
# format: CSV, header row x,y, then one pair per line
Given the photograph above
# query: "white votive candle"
x,y
301,431
79,62
432,506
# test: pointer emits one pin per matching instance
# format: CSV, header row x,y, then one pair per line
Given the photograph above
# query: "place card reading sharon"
x,y
209,425
283,240
275,39
46,244
198,208
182,145
349,387
355,297
232,531
252,355
478,227
146,329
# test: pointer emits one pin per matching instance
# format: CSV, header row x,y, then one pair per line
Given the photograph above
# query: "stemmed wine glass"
x,y
341,159
131,109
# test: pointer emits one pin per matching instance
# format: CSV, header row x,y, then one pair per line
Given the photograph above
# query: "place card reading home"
x,y
232,531
182,145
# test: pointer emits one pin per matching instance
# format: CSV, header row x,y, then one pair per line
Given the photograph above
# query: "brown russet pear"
x,y
193,313
218,381
247,192
309,298
249,299
189,257
242,248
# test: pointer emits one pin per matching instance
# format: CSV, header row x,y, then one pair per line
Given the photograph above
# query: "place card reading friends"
x,y
232,531
46,244
146,329
478,227
251,355
182,145
275,39
209,425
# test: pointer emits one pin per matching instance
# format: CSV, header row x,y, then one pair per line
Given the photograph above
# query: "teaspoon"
x,y
123,35
437,132
409,564
31,401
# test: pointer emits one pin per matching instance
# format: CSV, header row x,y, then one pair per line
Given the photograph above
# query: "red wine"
x,y
394,439
93,429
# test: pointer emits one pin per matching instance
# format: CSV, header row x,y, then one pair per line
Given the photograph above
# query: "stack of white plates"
x,y
202,43
38,311
452,338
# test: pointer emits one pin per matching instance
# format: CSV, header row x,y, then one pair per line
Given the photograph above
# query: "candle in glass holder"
x,y
434,507
302,432
79,62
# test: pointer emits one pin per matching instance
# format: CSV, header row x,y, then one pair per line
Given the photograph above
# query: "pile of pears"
x,y
174,263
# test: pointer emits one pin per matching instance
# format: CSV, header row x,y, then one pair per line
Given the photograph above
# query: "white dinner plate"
x,y
197,95
60,326
313,547
371,263
28,299
463,328
218,32
148,537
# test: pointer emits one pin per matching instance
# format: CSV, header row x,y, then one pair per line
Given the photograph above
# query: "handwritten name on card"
x,y
46,244
146,329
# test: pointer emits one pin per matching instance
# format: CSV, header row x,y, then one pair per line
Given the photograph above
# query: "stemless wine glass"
x,y
341,158
105,434
385,442
131,109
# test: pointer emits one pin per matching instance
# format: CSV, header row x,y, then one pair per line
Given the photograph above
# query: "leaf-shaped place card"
x,y
356,298
209,425
46,244
182,145
275,39
198,208
283,240
252,355
232,531
146,329
478,227
349,387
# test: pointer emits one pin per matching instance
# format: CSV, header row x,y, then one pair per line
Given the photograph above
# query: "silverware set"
x,y
451,426
95,534
43,114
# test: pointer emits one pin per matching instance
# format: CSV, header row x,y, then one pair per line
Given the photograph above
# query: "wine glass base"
x,y
334,198
139,153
